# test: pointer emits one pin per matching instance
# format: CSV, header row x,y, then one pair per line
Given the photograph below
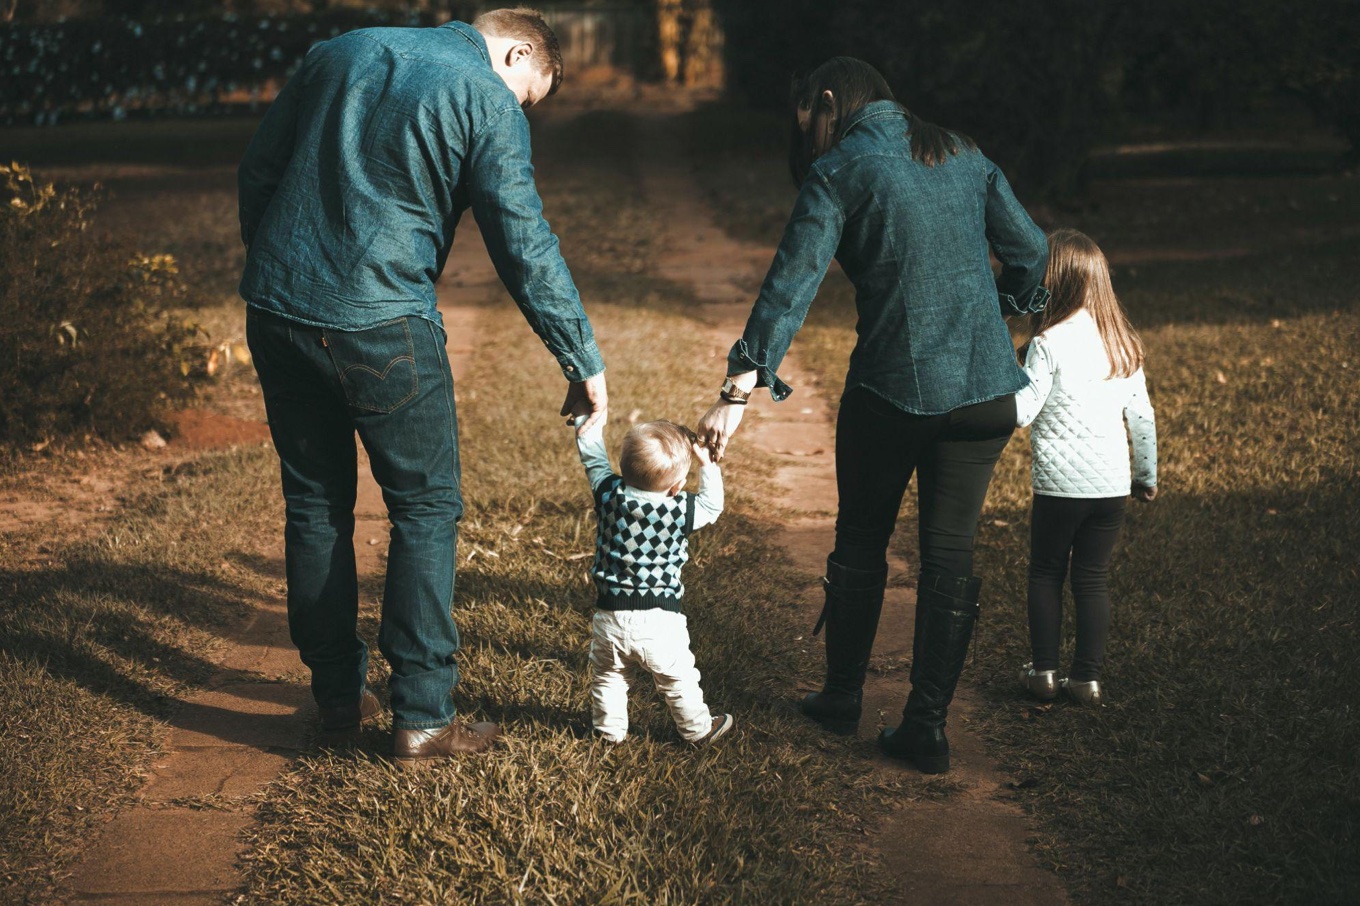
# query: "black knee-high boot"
x,y
946,611
854,601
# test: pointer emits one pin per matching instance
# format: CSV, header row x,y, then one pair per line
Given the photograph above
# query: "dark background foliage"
x,y
1040,84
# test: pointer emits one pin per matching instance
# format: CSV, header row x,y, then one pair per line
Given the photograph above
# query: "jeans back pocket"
x,y
377,366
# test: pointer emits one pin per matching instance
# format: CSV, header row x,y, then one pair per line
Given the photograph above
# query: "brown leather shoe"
x,y
339,718
416,748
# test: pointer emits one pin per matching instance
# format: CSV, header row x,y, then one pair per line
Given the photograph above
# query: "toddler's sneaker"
x,y
1042,684
721,724
1084,693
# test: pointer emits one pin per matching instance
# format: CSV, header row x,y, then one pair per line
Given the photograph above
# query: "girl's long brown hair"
x,y
1079,277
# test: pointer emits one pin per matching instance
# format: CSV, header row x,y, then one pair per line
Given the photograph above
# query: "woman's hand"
x,y
718,425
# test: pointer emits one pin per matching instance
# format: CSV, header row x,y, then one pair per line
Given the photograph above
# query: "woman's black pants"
x,y
879,446
1082,530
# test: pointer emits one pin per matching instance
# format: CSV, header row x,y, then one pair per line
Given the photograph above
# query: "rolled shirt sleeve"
x,y
800,264
1019,244
523,248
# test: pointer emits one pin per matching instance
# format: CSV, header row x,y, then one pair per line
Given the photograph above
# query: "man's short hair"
x,y
655,455
524,24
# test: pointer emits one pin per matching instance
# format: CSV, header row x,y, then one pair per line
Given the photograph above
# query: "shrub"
x,y
89,343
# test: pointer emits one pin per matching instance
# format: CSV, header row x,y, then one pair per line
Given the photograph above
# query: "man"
x,y
349,196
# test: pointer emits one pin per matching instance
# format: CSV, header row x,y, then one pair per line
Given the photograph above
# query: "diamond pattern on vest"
x,y
641,546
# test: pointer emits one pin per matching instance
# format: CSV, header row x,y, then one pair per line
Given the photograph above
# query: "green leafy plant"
x,y
89,340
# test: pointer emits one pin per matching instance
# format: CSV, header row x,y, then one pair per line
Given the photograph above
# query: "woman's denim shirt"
x,y
914,241
351,189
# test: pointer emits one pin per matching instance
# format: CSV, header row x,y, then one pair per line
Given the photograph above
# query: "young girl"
x,y
1085,366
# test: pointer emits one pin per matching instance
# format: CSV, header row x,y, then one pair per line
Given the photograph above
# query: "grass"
x,y
99,634
1224,768
555,815
103,624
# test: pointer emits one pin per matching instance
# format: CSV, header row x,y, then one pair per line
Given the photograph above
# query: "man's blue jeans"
x,y
393,385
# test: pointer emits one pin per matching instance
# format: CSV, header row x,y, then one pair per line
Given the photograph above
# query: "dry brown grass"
x,y
97,636
555,815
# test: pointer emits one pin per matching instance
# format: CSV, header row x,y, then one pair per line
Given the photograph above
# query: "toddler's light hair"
x,y
655,455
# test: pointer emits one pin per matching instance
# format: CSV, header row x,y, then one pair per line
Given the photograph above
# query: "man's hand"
x,y
1145,493
588,398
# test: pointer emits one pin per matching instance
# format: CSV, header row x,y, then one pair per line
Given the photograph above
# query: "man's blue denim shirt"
x,y
352,188
914,241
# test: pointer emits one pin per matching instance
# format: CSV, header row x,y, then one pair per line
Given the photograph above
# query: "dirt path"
x,y
972,847
180,843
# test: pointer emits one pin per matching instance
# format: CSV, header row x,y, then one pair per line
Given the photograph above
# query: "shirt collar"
x,y
648,496
471,35
871,111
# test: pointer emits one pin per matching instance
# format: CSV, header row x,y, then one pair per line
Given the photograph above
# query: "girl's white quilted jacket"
x,y
1078,413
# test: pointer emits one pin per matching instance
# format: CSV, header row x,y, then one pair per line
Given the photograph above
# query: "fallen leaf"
x,y
1220,377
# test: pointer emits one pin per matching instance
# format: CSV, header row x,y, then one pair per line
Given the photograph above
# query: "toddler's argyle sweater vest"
x,y
640,549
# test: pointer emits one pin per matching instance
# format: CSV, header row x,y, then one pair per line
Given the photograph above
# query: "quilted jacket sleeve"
x,y
1143,429
1039,366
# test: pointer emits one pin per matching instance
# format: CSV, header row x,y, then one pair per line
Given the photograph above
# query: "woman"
x,y
910,211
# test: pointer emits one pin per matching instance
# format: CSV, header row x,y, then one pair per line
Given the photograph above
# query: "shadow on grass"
x,y
112,627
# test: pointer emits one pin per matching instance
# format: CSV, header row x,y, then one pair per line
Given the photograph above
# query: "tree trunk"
x,y
670,41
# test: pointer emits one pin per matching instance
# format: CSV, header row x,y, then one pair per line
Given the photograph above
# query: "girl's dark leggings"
x,y
1084,530
879,446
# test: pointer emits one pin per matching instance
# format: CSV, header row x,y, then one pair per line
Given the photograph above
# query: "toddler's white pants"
x,y
622,641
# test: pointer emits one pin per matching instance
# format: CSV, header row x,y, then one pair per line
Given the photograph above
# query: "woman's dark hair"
x,y
853,83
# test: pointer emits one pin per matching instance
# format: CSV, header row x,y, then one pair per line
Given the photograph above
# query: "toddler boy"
x,y
645,520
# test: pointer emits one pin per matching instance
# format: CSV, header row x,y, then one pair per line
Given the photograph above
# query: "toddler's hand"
x,y
703,454
1145,493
